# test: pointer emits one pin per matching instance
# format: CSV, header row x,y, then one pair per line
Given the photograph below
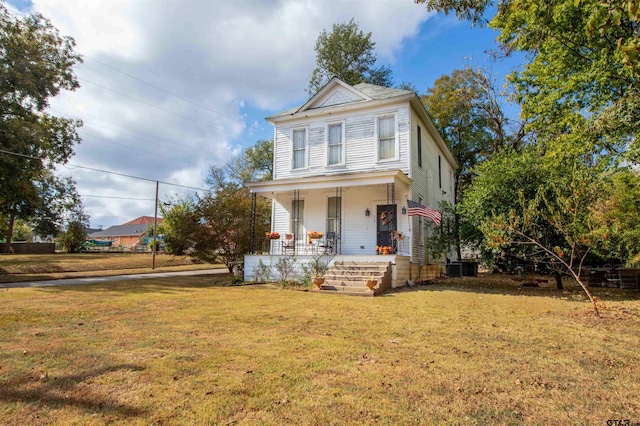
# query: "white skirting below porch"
x,y
262,267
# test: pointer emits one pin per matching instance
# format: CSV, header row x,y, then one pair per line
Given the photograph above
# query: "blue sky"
x,y
171,87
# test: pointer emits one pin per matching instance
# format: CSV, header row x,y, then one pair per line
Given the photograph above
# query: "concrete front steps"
x,y
347,277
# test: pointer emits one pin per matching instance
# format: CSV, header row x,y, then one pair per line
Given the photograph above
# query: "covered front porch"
x,y
341,214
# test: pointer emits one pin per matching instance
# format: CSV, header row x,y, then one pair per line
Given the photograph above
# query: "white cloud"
x,y
234,61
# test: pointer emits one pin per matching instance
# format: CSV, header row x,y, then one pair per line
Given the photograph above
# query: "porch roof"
x,y
349,179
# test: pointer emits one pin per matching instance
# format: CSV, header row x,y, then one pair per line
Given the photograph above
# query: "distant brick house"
x,y
130,235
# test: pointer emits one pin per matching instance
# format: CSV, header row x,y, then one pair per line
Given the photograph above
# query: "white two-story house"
x,y
345,165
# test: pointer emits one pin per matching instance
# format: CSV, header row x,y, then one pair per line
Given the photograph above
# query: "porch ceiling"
x,y
331,181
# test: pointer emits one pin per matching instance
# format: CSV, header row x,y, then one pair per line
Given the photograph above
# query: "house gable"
x,y
336,92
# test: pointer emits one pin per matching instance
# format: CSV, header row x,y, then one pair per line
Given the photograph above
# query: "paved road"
x,y
98,280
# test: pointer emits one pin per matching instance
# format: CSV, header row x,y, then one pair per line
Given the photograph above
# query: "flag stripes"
x,y
417,209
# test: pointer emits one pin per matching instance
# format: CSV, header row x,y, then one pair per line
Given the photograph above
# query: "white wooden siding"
x,y
425,178
281,218
358,231
360,143
282,150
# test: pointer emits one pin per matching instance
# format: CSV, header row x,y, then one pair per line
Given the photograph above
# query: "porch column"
x,y
338,239
296,219
252,248
391,201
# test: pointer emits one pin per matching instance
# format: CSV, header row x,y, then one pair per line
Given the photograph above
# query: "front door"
x,y
386,220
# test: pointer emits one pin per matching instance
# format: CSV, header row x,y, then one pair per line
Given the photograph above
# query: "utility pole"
x,y
155,227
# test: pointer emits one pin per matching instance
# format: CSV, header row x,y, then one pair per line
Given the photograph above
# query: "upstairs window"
x,y
386,138
419,147
336,144
299,148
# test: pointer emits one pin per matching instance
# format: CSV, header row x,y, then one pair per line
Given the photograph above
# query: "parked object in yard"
x,y
629,278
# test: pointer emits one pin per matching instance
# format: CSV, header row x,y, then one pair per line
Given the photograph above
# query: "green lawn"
x,y
195,351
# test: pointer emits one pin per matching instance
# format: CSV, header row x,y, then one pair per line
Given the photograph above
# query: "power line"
x,y
141,150
162,109
117,198
102,171
171,142
164,90
133,177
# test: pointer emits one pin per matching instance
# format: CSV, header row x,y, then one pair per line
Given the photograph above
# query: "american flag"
x,y
417,209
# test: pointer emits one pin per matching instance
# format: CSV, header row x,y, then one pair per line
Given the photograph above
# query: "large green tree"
x,y
57,203
624,14
217,226
616,216
581,72
253,164
579,96
467,110
347,53
36,63
538,204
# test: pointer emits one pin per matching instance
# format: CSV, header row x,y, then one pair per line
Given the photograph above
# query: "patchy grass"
x,y
190,351
19,268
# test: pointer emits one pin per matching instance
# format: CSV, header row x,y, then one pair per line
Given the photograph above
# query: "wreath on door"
x,y
386,217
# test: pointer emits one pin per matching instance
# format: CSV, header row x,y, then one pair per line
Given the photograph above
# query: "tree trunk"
x,y
558,278
7,245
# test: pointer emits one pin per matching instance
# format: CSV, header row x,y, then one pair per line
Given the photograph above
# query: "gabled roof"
x,y
142,220
335,92
381,92
338,93
122,231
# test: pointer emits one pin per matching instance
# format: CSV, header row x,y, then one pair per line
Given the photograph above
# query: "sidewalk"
x,y
98,280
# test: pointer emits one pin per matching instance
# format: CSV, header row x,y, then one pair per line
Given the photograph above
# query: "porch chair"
x,y
612,277
328,244
289,244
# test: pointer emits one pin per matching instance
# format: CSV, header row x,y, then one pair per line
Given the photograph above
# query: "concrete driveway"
x,y
98,280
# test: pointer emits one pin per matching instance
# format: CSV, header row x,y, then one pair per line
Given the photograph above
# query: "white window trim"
x,y
306,149
377,141
344,143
